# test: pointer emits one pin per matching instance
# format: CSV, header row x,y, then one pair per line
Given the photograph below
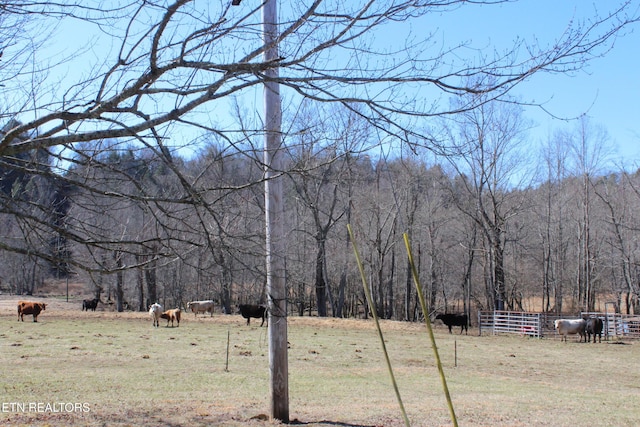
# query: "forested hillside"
x,y
139,141
122,221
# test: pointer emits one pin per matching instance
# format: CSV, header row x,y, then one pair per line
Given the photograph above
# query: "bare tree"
x,y
587,145
553,229
621,220
171,66
321,170
493,134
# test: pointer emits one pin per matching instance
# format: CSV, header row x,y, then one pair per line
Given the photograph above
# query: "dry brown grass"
x,y
128,373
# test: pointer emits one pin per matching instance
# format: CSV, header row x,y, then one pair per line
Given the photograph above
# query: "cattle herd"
x,y
155,310
585,328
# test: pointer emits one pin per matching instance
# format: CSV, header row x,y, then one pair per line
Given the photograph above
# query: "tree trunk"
x,y
408,315
117,255
140,285
320,283
499,280
150,276
390,294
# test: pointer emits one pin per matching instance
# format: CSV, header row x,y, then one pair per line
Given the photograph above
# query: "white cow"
x,y
155,311
571,327
201,306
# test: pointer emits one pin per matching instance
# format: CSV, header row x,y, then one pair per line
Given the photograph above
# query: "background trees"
x,y
491,165
101,182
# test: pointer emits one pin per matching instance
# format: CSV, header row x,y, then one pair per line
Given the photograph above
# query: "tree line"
x,y
421,137
138,226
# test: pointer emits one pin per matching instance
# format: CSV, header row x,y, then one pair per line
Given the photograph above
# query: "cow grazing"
x,y
571,327
28,307
155,311
90,304
201,307
257,311
455,320
171,315
594,326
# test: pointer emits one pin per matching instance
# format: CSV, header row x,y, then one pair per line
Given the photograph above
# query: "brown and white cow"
x,y
30,307
171,315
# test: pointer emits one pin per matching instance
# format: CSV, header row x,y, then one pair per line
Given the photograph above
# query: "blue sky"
x,y
607,90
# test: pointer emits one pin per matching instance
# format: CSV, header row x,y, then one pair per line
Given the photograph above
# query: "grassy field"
x,y
76,368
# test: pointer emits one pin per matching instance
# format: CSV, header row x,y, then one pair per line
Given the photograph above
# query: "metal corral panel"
x,y
534,324
618,325
510,322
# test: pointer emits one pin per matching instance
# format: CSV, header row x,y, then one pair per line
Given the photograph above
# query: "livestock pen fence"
x,y
542,324
510,322
618,325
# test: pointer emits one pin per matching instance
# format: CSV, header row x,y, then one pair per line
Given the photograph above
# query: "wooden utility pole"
x,y
274,212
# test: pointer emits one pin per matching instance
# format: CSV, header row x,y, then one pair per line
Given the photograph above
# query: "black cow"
x,y
248,311
594,326
454,320
90,304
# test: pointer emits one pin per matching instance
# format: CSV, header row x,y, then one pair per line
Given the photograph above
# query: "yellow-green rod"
x,y
427,321
367,293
